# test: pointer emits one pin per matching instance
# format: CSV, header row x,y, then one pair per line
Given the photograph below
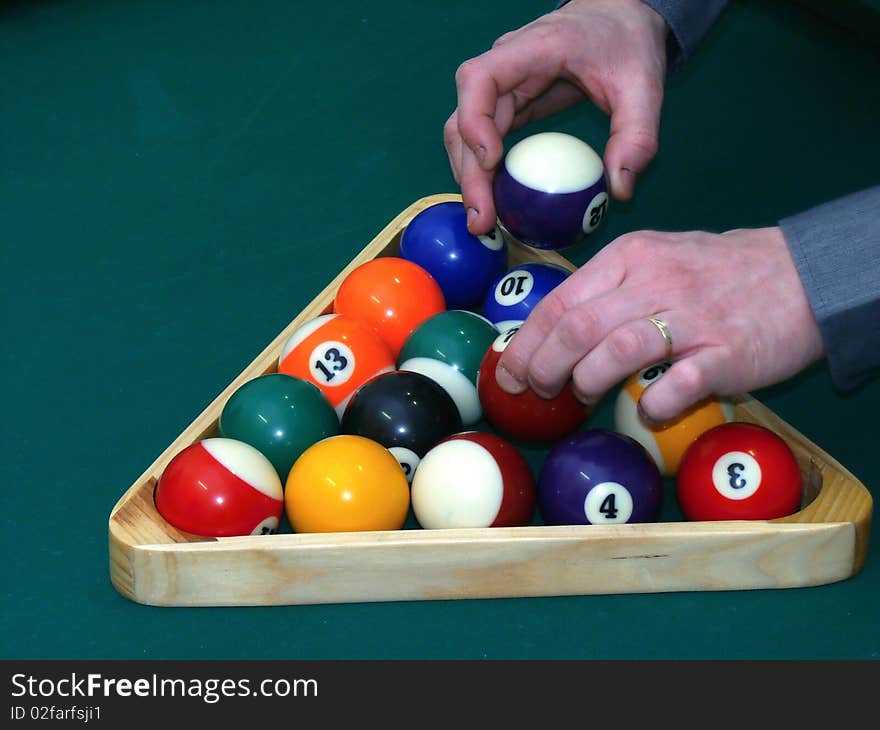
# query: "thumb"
x,y
634,138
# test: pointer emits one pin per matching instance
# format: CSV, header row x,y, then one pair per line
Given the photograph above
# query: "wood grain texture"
x,y
154,563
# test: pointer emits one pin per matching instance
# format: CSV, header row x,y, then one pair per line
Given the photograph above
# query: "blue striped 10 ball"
x,y
514,294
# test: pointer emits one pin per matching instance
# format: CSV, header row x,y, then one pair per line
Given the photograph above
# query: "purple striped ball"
x,y
551,191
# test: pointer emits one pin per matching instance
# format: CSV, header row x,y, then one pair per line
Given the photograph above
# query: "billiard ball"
x,y
464,265
406,412
526,416
738,471
280,416
599,477
337,353
513,295
448,348
220,487
473,479
666,442
346,483
551,191
391,295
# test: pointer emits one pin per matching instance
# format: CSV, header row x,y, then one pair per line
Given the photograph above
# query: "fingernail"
x,y
509,382
644,416
480,153
472,215
584,399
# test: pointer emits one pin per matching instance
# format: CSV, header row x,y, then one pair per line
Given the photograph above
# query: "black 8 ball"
x,y
406,412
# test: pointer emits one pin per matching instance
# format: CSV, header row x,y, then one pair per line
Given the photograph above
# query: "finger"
x,y
507,37
512,370
578,332
561,95
474,182
688,381
476,193
478,93
633,141
627,349
603,273
480,83
453,143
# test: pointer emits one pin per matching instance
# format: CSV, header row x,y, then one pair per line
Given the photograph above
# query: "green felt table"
x,y
178,180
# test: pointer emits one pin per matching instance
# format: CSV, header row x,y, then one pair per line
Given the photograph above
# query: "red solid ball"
x,y
738,471
526,416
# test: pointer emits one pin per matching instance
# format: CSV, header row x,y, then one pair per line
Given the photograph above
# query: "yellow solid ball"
x,y
346,484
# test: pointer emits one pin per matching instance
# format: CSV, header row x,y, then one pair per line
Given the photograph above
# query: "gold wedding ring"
x,y
664,330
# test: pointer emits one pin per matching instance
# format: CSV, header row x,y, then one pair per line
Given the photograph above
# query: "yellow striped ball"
x,y
667,441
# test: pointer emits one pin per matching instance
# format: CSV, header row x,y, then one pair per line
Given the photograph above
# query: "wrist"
x,y
637,11
655,22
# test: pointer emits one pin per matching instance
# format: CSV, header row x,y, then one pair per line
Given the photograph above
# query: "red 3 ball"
x,y
738,471
526,416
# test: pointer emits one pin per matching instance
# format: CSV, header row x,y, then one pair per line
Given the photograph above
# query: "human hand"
x,y
734,305
612,52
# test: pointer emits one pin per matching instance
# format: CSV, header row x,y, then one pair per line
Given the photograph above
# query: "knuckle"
x,y
450,133
545,32
688,380
625,345
451,126
548,311
576,328
501,40
585,387
636,245
467,71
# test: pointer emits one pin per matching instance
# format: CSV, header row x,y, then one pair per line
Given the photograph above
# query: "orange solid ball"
x,y
392,295
346,484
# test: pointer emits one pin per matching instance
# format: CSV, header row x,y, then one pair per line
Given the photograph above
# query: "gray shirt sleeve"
x,y
688,21
836,249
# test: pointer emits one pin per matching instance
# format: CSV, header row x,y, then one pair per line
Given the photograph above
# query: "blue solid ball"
x,y
514,294
464,265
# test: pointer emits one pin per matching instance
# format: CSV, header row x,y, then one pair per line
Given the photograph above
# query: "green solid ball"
x,y
280,416
449,348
